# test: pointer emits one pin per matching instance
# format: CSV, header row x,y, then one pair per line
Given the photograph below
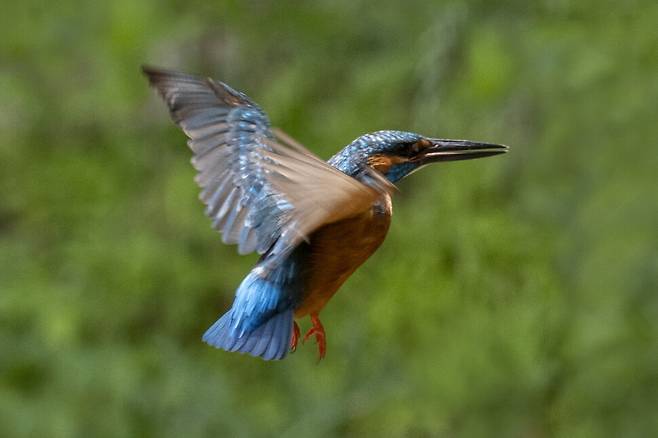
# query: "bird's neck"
x,y
350,160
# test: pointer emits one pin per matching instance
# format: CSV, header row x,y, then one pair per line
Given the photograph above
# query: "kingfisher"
x,y
312,222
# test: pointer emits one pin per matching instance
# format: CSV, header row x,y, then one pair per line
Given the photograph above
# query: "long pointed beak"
x,y
452,150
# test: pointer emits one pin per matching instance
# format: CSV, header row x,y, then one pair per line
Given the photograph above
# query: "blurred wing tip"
x,y
150,70
156,73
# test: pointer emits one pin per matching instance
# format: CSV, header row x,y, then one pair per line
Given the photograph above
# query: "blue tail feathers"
x,y
270,341
260,320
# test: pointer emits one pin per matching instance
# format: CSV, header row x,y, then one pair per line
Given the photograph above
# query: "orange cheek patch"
x,y
382,163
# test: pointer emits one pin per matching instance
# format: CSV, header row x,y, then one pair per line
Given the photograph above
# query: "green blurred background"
x,y
515,296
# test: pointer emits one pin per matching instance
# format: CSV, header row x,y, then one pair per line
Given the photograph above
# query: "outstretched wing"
x,y
257,190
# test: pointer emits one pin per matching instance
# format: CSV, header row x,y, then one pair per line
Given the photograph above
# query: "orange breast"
x,y
337,250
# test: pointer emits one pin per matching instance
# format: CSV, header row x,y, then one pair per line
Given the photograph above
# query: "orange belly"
x,y
337,250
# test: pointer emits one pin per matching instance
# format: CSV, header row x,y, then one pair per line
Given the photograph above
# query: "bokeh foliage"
x,y
515,296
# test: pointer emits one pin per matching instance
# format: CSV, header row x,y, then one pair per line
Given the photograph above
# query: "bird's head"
x,y
396,154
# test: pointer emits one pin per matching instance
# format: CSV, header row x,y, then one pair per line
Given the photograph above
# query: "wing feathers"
x,y
257,191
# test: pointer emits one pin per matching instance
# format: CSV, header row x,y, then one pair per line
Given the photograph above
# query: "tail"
x,y
260,320
270,341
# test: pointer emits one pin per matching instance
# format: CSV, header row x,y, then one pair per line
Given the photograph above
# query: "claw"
x,y
295,336
320,337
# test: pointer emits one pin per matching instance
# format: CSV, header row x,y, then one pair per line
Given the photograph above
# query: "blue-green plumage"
x,y
313,223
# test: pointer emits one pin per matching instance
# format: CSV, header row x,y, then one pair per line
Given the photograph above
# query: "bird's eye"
x,y
413,148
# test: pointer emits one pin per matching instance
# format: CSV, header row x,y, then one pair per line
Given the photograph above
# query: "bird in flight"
x,y
312,222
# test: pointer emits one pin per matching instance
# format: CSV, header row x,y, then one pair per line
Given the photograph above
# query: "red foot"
x,y
295,337
320,337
